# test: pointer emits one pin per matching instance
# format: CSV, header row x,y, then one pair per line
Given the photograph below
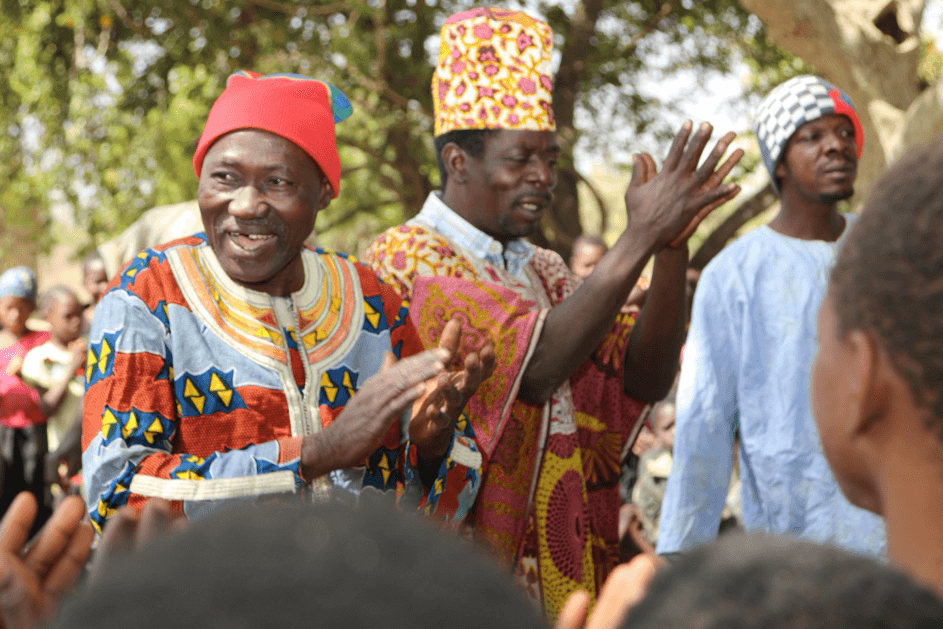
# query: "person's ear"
x,y
327,193
867,382
455,161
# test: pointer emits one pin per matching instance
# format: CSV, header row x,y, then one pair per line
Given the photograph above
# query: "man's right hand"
x,y
664,208
363,423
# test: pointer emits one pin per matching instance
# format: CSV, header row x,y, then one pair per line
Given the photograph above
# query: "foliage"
x,y
106,98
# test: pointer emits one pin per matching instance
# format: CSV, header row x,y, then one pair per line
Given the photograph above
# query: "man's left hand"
x,y
436,412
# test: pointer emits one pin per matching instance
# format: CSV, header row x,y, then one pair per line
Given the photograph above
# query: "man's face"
x,y
835,404
585,258
513,182
259,196
820,161
14,311
65,319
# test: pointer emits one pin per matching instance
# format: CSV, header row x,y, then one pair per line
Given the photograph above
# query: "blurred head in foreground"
x,y
330,565
767,582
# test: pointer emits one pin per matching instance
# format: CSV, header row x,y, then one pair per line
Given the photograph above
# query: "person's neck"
x,y
460,203
809,221
58,342
912,497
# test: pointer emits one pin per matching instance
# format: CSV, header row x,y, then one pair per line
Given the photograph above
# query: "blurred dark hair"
x,y
330,565
768,582
472,141
888,279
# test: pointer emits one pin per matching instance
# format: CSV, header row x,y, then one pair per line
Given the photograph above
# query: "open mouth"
x,y
249,242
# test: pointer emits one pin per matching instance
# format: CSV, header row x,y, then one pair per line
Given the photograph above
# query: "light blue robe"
x,y
746,367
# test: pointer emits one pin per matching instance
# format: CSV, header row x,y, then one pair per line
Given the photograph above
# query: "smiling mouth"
x,y
250,242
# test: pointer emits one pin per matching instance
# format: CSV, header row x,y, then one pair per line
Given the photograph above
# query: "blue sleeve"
x,y
705,417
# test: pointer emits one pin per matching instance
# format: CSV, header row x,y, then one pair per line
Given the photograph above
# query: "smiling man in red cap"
x,y
240,363
563,401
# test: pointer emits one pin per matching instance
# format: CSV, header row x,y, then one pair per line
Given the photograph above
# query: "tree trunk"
x,y
561,225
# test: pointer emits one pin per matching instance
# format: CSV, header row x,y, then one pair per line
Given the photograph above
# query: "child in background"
x,y
95,281
56,370
22,422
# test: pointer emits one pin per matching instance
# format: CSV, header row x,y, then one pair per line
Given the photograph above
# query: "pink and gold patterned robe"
x,y
549,500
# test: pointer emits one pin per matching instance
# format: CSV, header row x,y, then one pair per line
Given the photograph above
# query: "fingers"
x,y
637,178
707,170
677,146
488,358
55,536
573,613
389,359
726,167
154,521
117,540
451,336
63,574
650,169
624,588
692,155
17,522
729,192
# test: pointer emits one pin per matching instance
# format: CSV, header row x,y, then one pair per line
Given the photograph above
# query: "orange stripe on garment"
x,y
199,282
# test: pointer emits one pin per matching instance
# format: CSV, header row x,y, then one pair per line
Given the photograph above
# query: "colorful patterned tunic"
x,y
548,505
200,391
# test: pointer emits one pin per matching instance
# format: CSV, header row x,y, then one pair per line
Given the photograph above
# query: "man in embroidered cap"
x,y
752,341
240,363
569,380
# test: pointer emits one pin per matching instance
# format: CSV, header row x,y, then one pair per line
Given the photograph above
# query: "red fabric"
x,y
297,110
19,404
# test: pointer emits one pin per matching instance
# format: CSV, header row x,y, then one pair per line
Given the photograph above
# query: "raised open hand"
x,y
32,580
667,207
363,423
435,413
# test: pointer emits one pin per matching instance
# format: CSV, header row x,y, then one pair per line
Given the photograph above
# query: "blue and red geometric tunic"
x,y
200,390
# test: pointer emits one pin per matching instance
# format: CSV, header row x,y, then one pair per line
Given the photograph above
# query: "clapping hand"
x,y
671,204
436,412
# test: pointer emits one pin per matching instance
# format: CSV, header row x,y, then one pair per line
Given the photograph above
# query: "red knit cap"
x,y
298,108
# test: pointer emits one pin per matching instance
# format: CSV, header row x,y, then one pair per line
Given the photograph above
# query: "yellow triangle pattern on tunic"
x,y
153,431
130,426
109,423
329,388
372,315
223,392
384,466
103,356
193,394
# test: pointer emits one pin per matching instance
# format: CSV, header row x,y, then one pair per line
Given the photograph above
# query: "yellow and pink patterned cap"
x,y
493,72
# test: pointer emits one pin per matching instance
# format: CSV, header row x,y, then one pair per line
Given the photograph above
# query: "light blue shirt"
x,y
747,365
440,217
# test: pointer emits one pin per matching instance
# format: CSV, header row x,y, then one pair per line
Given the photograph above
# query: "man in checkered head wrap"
x,y
793,104
748,358
542,512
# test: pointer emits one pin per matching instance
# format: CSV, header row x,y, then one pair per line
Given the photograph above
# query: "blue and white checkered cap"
x,y
789,106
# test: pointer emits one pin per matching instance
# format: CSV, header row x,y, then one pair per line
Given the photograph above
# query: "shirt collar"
x,y
440,217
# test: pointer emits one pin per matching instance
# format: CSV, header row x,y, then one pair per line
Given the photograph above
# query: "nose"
x,y
247,203
542,173
838,141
